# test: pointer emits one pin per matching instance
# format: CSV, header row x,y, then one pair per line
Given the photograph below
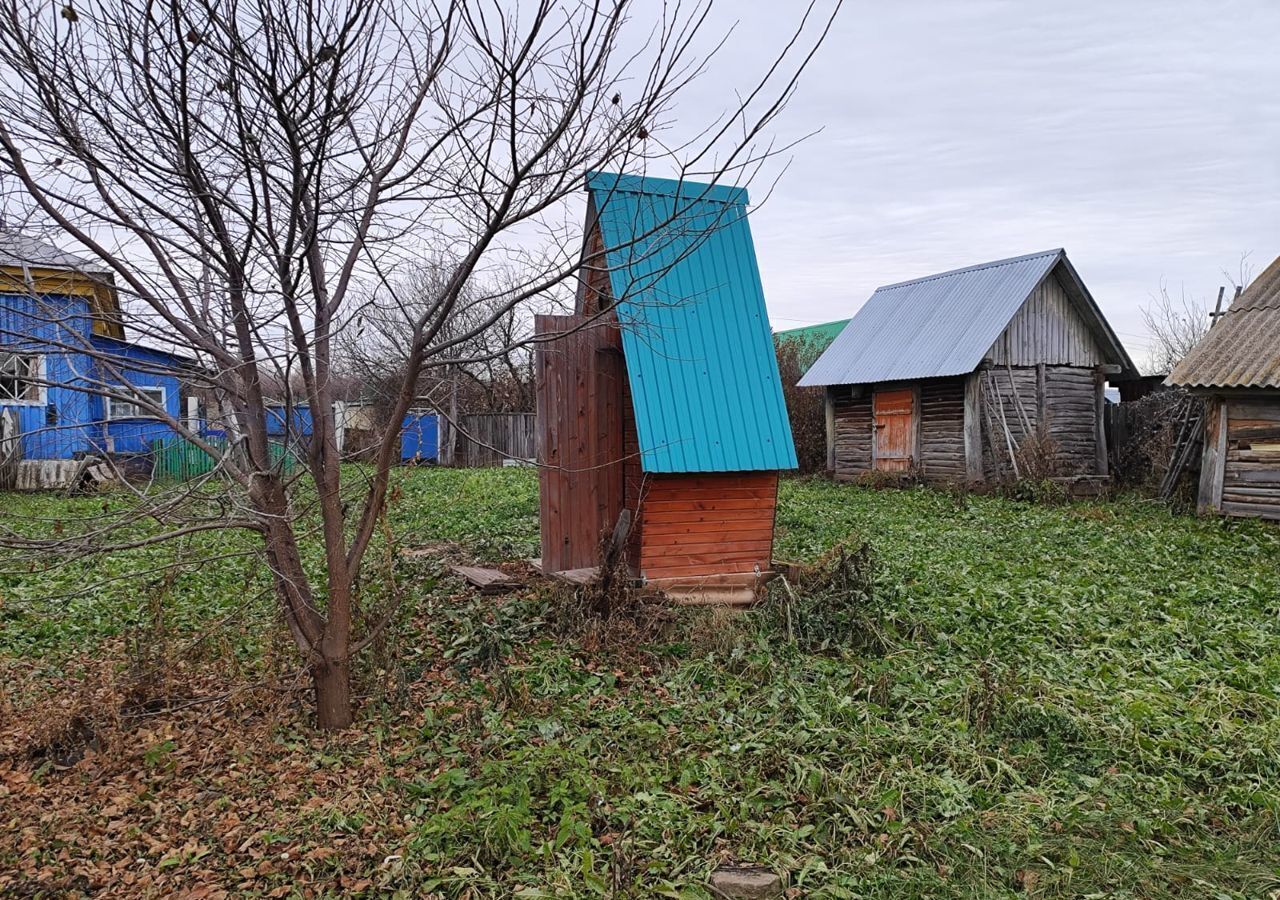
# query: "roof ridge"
x,y
657,186
975,268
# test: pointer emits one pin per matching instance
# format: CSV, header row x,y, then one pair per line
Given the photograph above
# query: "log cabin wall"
x,y
942,456
851,433
1240,473
1073,400
940,452
1058,403
706,524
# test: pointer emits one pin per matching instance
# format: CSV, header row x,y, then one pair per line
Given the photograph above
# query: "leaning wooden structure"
x,y
660,395
987,373
1236,369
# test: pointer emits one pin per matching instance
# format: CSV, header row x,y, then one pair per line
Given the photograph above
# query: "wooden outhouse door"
x,y
894,416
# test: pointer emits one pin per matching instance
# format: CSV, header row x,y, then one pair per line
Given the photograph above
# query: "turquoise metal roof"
x,y
700,358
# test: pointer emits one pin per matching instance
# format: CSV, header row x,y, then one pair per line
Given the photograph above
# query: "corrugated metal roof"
x,y
1243,348
18,249
819,335
943,324
700,360
811,340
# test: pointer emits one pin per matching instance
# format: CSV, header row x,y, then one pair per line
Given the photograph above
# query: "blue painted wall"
x,y
58,426
69,419
134,435
420,437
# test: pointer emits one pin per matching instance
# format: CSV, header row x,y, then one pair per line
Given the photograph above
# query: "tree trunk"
x,y
332,680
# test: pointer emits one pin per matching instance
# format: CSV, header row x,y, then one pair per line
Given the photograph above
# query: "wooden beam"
x,y
1042,408
1213,463
973,427
1100,425
488,581
830,409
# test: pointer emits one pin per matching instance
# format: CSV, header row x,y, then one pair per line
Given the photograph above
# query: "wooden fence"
x,y
488,439
1142,436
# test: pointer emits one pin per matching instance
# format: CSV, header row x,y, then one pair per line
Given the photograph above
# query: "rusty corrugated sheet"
x,y
1243,349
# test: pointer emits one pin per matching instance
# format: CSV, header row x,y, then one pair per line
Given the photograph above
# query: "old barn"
x,y
985,373
1236,369
660,395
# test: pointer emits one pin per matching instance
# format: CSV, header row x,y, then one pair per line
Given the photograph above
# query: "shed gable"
x,y
1049,328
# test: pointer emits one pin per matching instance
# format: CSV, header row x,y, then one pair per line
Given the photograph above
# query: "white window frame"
x,y
134,411
42,386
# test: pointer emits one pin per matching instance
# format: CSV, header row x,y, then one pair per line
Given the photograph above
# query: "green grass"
x,y
1070,701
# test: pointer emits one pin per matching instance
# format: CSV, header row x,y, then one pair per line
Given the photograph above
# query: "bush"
x,y
806,407
828,606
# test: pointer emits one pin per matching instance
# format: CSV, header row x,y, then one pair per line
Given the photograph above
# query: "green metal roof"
x,y
813,340
820,336
700,358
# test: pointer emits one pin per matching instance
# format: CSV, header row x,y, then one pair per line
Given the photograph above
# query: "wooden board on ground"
x,y
740,589
487,581
578,577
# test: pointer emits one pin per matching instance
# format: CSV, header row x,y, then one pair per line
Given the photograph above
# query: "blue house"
x,y
63,349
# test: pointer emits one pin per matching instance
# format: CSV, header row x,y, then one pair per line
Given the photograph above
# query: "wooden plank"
x,y
720,516
578,577
973,427
665,529
487,581
1213,461
1249,510
1099,424
829,411
762,492
720,567
679,484
1254,409
730,546
705,505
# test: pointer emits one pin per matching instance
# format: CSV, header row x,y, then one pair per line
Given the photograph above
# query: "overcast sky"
x,y
1144,137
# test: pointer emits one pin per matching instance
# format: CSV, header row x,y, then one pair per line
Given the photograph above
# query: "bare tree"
x,y
1175,326
1178,325
499,374
250,172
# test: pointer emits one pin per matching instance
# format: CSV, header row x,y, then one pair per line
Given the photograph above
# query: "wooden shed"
x,y
660,395
1236,369
985,373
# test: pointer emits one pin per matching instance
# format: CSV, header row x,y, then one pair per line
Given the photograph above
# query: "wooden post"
x,y
1212,465
340,424
973,427
1217,307
917,463
1042,406
830,409
1100,426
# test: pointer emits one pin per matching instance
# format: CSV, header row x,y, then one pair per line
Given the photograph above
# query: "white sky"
x,y
1144,137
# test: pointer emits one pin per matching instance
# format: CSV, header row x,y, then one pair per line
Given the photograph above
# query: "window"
x,y
21,377
127,409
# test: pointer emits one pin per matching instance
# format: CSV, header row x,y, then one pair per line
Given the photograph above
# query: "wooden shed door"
x,y
894,412
579,393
